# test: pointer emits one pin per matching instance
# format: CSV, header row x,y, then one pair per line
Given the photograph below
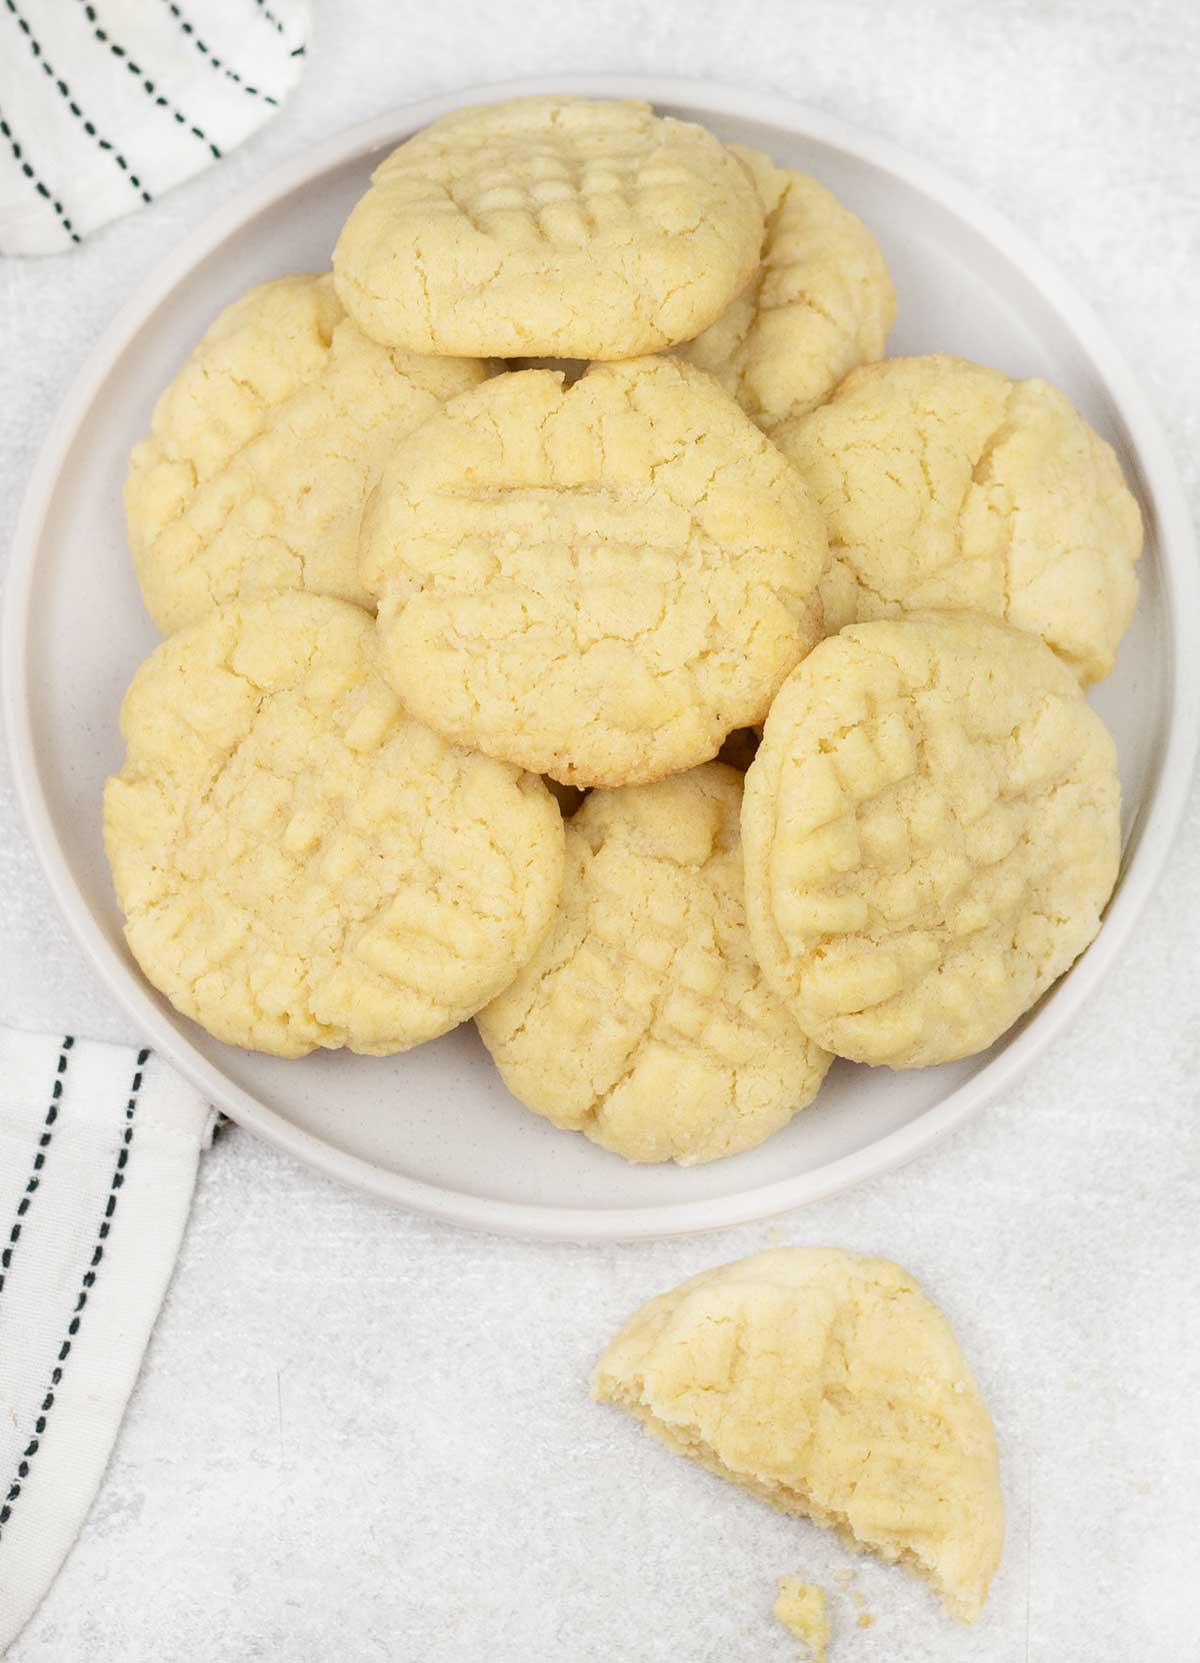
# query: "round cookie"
x,y
300,864
932,830
597,582
948,485
831,1386
643,1019
264,447
820,304
550,226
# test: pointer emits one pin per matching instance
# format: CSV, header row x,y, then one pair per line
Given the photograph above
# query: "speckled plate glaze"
x,y
435,1129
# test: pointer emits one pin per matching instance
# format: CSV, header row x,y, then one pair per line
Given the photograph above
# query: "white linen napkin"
x,y
98,1152
105,104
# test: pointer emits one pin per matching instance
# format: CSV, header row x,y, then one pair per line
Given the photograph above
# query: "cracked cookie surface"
x,y
643,1019
831,1386
948,485
300,863
264,447
548,226
931,832
597,582
820,303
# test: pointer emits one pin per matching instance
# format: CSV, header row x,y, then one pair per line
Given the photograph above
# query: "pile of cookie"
x,y
582,465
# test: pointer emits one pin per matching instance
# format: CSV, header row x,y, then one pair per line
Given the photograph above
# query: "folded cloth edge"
x,y
90,1244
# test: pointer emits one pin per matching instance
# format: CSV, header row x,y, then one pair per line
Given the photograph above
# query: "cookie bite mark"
x,y
832,1387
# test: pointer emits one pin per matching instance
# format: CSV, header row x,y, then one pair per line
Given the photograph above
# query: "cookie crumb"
x,y
800,1607
866,1619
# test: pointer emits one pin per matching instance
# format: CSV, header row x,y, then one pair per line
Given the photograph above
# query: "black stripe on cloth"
x,y
218,63
39,1159
266,12
86,1286
147,85
39,185
65,92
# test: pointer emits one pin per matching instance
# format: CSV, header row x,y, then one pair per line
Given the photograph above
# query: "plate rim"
x,y
1153,833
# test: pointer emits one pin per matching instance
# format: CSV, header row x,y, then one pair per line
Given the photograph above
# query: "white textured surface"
x,y
363,1436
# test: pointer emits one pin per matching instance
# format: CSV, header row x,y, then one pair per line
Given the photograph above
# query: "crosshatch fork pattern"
x,y
932,831
645,1020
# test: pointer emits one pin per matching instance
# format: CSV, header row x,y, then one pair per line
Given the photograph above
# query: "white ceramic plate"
x,y
435,1129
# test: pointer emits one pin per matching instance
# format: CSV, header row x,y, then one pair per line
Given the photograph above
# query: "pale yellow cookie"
x,y
643,1020
932,831
800,1607
550,226
820,303
264,447
831,1386
948,485
301,864
597,582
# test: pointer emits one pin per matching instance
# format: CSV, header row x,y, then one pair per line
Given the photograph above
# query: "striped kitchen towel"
x,y
105,104
98,1153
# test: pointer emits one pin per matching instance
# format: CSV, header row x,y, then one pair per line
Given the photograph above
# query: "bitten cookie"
x,y
931,830
820,304
643,1020
831,1386
948,485
565,227
264,447
597,582
300,864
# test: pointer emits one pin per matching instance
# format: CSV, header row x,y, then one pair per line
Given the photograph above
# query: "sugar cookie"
x,y
550,226
931,830
831,1386
948,485
820,304
597,582
643,1018
301,864
264,447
